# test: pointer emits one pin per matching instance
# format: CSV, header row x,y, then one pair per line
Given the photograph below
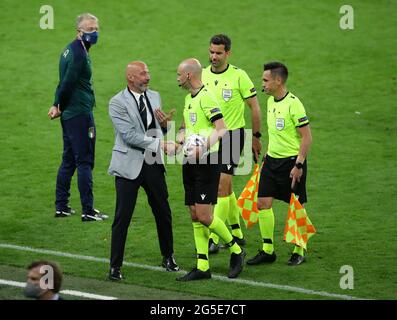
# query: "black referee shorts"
x,y
230,148
275,181
201,180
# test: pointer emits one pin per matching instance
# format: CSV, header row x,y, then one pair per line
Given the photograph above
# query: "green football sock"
x,y
266,226
200,233
221,210
218,226
299,250
233,218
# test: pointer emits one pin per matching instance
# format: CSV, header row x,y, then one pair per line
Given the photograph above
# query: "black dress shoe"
x,y
236,264
262,257
169,264
195,274
115,274
296,259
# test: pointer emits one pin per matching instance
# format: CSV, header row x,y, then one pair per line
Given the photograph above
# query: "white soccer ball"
x,y
193,140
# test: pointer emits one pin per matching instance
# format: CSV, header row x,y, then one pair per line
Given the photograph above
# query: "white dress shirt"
x,y
148,113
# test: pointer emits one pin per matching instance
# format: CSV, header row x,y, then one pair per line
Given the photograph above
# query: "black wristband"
x,y
257,134
299,165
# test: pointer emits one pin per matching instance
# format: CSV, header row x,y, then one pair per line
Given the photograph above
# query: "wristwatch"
x,y
299,165
257,134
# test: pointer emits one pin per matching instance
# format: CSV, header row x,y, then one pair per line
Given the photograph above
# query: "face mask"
x,y
90,37
32,290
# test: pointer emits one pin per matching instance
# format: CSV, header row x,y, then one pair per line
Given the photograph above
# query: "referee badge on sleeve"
x,y
227,94
280,124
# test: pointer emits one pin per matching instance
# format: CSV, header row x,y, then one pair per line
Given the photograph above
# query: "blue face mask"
x,y
90,37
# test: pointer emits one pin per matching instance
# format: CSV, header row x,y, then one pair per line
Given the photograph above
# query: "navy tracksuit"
x,y
78,152
75,97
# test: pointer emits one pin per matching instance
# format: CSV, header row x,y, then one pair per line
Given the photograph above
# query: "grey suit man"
x,y
137,162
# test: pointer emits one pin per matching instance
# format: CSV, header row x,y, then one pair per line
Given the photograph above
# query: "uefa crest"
x,y
193,118
227,94
280,123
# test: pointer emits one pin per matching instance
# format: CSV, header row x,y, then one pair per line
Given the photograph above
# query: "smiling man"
x,y
137,162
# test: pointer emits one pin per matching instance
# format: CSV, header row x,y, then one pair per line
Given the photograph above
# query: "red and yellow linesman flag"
x,y
298,227
248,199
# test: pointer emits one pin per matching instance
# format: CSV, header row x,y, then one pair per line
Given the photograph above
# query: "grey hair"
x,y
82,17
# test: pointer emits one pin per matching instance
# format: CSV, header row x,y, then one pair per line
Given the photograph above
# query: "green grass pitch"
x,y
345,78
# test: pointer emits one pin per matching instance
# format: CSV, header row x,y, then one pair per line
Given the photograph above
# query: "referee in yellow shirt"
x,y
284,167
234,91
201,170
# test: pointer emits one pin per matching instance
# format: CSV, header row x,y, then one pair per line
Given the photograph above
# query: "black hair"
x,y
277,69
222,39
55,268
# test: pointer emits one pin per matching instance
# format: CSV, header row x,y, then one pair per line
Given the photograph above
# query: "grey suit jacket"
x,y
131,143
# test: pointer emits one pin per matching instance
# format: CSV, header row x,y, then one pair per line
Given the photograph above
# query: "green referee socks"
x,y
266,226
299,250
233,218
219,227
200,233
221,210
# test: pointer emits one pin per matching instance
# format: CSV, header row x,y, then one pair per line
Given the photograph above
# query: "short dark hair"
x,y
55,268
277,69
222,39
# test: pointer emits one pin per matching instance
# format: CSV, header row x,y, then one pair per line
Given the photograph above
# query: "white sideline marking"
x,y
216,277
65,292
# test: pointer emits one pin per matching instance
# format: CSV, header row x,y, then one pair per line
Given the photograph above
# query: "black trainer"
x,y
236,264
67,212
169,264
240,241
213,247
296,259
115,274
262,257
195,274
95,215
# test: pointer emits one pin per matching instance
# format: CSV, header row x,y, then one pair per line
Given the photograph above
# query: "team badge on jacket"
x,y
91,132
227,94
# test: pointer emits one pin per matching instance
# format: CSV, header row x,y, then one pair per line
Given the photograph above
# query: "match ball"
x,y
193,140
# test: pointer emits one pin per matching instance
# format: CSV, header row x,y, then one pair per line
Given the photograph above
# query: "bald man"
x,y
137,162
201,170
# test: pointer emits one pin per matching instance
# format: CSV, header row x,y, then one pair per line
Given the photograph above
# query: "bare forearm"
x,y
303,150
305,144
255,113
217,133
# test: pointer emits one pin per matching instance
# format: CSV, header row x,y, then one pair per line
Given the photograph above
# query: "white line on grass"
x,y
216,277
64,292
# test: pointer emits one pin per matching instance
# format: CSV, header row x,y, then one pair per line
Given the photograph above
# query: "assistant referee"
x,y
285,165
